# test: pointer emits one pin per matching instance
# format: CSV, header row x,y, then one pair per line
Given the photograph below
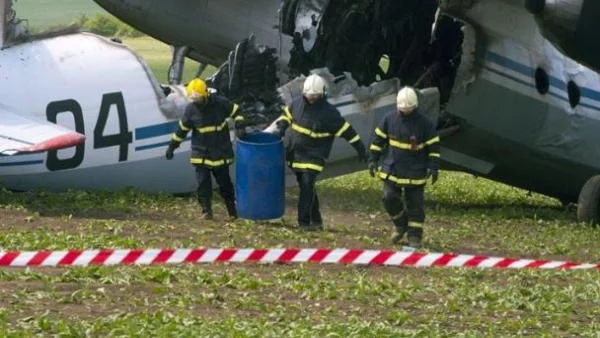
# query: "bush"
x,y
107,25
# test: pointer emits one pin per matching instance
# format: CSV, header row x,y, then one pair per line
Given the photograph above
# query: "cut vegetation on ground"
x,y
465,215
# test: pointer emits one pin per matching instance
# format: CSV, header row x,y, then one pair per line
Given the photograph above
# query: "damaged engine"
x,y
364,41
354,35
249,77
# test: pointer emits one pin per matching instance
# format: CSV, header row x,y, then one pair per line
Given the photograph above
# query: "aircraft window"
x,y
542,82
574,94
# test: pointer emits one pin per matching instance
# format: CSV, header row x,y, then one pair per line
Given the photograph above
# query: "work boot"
x,y
231,210
414,241
207,215
205,205
398,235
309,227
317,225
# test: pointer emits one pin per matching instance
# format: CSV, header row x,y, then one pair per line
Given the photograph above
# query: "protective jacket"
x,y
211,141
407,145
313,130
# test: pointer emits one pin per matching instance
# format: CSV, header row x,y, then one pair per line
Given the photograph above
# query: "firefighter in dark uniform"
x,y
407,144
313,125
212,152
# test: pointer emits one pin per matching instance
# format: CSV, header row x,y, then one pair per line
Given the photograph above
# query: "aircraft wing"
x,y
19,134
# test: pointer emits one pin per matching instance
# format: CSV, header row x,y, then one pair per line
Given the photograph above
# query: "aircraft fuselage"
x,y
528,113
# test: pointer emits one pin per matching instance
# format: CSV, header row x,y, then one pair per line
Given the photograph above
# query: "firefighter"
x,y
407,143
314,124
212,152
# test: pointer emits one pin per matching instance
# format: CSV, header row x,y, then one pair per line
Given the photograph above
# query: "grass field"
x,y
45,13
158,56
464,215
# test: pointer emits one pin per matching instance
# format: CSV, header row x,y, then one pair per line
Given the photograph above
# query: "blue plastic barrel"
x,y
260,176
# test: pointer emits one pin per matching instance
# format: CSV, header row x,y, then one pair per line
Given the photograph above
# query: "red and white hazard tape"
x,y
322,256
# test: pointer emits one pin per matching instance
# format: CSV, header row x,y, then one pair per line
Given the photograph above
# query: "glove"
x,y
169,153
434,175
240,133
362,152
372,168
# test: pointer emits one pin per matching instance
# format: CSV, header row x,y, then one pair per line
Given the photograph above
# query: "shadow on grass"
x,y
369,200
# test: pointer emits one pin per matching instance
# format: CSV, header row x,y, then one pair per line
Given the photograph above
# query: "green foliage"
x,y
464,215
45,14
108,25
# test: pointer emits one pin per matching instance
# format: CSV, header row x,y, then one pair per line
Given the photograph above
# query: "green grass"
x,y
158,56
464,215
41,14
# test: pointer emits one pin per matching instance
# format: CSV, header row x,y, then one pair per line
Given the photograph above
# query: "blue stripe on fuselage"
x,y
158,145
529,71
22,163
156,130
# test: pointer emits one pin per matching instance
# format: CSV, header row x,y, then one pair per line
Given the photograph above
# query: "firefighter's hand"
x,y
372,169
240,133
361,151
434,175
169,153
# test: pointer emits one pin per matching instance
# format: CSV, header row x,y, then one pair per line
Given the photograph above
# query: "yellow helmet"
x,y
407,100
196,89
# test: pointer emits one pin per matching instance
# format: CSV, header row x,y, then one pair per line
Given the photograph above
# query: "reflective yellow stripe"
x,y
183,127
235,109
380,133
212,129
211,163
176,138
239,118
397,180
298,165
287,113
408,146
355,139
415,225
398,216
309,132
433,140
342,129
434,155
283,117
405,146
375,147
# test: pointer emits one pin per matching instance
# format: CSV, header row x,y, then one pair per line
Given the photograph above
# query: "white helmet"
x,y
407,100
314,85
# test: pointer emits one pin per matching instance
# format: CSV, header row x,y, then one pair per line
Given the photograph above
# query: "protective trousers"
x,y
407,217
226,191
308,202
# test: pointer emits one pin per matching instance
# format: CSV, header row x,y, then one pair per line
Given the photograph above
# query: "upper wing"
x,y
19,134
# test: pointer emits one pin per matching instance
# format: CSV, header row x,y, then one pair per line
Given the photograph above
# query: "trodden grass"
x,y
464,215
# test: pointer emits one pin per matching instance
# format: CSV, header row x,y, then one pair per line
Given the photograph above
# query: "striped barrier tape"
x,y
321,256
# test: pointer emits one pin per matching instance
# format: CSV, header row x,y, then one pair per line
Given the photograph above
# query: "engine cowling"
x,y
571,26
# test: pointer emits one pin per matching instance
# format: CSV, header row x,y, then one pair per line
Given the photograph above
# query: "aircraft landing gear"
x,y
588,205
176,67
201,68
